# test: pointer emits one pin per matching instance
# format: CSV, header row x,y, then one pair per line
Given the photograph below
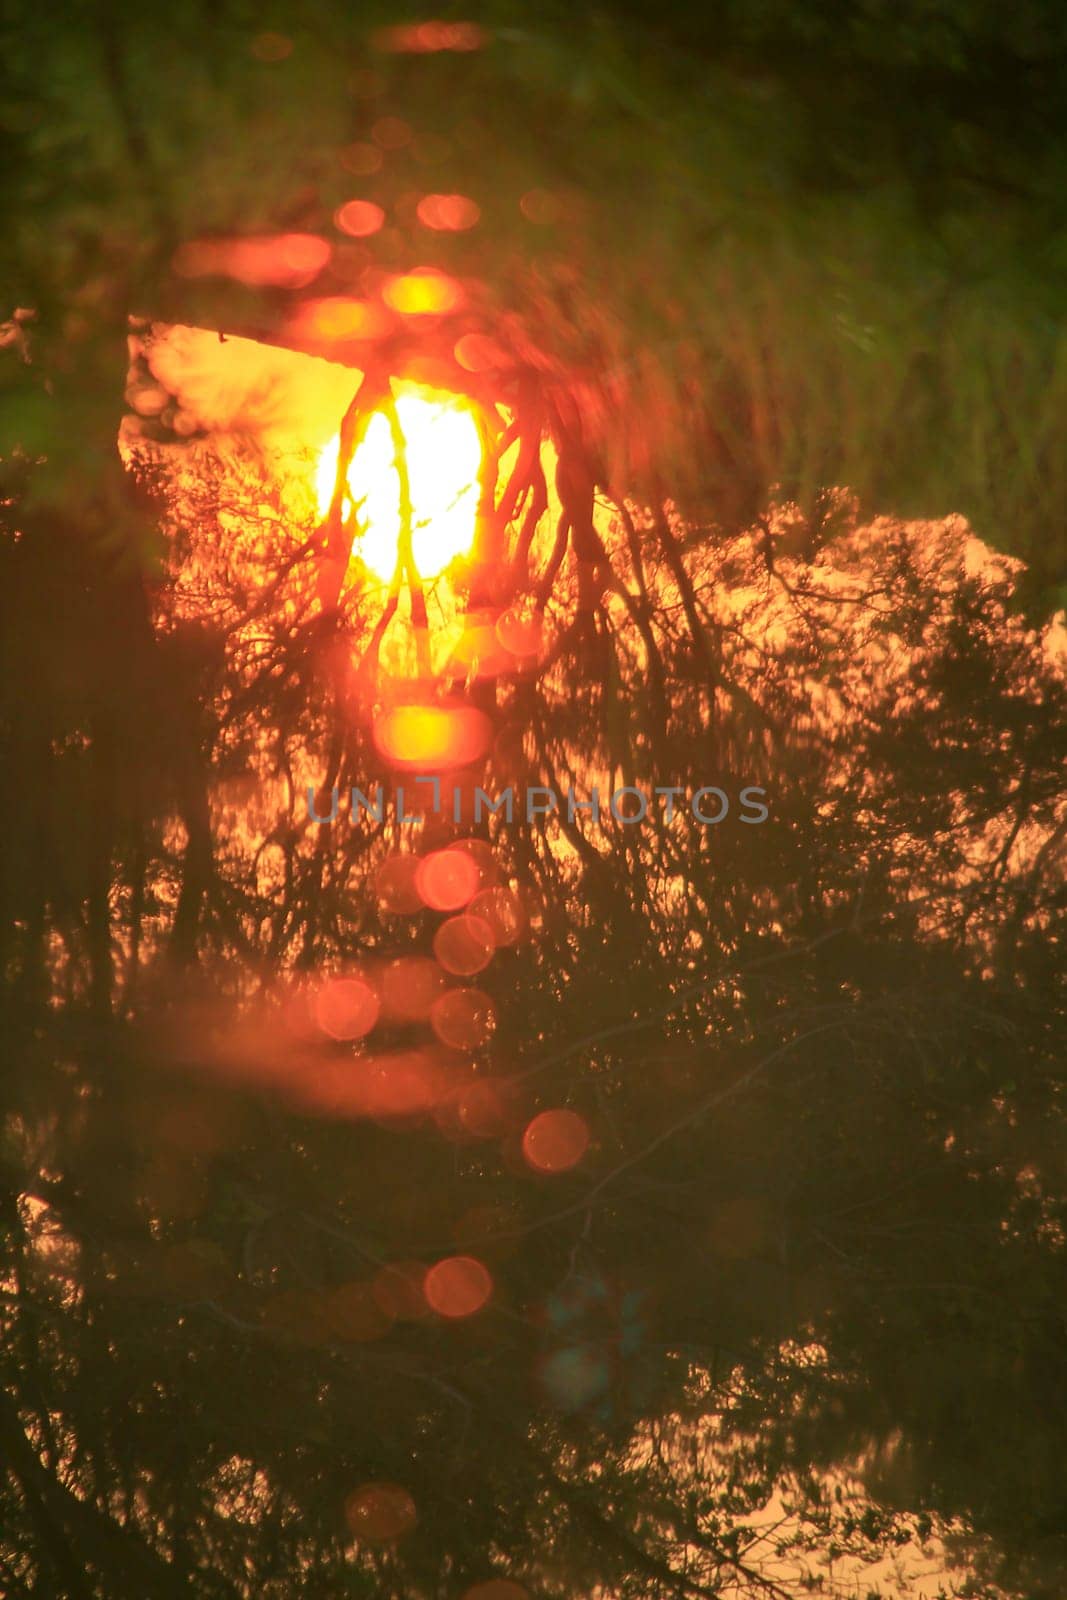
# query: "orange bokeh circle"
x,y
447,879
555,1140
359,218
458,1286
464,945
463,1019
448,213
346,1008
396,888
380,1512
503,911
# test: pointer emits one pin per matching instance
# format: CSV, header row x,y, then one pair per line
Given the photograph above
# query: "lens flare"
x,y
503,911
482,856
464,945
448,213
395,884
555,1141
346,1008
380,1512
447,879
463,1019
405,1084
443,452
359,218
458,1286
482,1109
422,293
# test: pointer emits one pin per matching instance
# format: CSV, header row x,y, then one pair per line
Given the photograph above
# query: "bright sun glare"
x,y
444,457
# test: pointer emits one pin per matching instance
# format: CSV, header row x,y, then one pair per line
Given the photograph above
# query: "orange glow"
x,y
404,1084
432,738
380,1512
504,913
338,319
464,945
410,986
346,1008
288,260
447,879
447,1119
332,1087
361,159
448,213
397,891
555,1141
359,218
423,293
479,652
391,133
463,1019
476,352
443,456
520,634
481,854
458,1286
482,1109
422,38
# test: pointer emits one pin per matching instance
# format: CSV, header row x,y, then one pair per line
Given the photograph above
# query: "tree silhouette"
x,y
557,1204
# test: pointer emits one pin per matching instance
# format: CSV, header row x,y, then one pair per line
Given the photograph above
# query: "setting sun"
x,y
444,457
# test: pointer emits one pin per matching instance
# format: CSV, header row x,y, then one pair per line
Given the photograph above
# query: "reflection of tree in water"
x,y
738,1179
706,1230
